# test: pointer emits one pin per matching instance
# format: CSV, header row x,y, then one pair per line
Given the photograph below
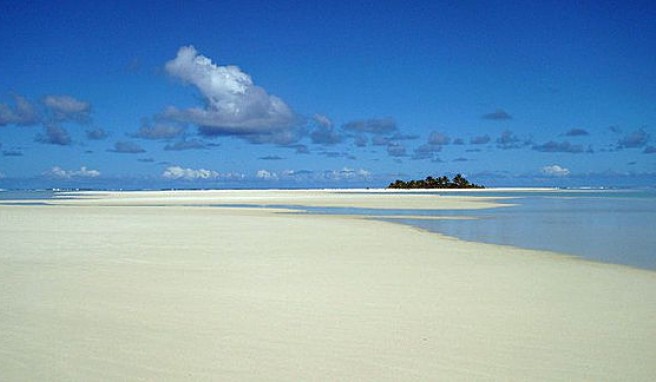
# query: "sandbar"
x,y
162,286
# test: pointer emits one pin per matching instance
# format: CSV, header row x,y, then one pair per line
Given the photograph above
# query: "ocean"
x,y
613,226
609,226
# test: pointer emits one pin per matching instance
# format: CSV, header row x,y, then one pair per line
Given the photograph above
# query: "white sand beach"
x,y
162,286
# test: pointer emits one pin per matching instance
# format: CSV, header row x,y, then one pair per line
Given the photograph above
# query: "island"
x,y
429,183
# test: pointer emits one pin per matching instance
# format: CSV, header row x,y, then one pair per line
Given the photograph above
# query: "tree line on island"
x,y
458,181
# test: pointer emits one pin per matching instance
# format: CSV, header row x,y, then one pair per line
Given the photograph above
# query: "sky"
x,y
296,94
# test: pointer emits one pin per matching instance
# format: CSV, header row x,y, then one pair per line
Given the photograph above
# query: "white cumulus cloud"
x,y
177,172
266,175
83,172
555,170
233,105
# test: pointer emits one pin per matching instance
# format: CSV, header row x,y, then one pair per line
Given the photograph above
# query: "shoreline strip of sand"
x,y
108,289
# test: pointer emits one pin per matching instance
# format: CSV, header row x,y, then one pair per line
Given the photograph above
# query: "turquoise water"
x,y
614,227
609,226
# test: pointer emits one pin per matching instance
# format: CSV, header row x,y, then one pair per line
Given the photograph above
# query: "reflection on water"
x,y
615,230
610,226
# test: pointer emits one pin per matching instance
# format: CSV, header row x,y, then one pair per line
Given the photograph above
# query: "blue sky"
x,y
329,94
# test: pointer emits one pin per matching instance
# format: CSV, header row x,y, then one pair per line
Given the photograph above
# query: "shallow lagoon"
x,y
610,226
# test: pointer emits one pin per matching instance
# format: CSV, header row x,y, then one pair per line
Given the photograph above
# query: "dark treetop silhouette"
x,y
441,182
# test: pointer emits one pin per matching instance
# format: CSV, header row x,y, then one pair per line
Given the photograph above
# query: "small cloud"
x,y
66,108
576,133
649,150
497,115
372,126
271,157
96,134
325,133
299,148
461,159
426,151
12,153
346,174
158,130
508,141
480,140
54,134
177,172
83,172
438,139
636,139
559,147
146,160
191,144
361,140
404,137
22,114
554,170
127,147
459,141
396,150
266,175
615,129
332,154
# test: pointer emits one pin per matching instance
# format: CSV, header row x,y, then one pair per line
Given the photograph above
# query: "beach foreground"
x,y
160,286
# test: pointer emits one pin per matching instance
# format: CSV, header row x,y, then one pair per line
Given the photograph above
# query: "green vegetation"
x,y
442,182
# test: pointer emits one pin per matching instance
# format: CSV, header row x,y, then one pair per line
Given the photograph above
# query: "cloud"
x,y
158,130
554,170
266,175
146,160
438,139
480,140
559,147
459,141
299,148
576,132
345,173
234,105
23,113
497,115
615,129
177,172
12,153
461,159
508,141
371,126
66,108
379,140
636,139
325,133
83,172
426,151
127,147
191,144
361,140
649,150
396,150
271,157
54,134
96,134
